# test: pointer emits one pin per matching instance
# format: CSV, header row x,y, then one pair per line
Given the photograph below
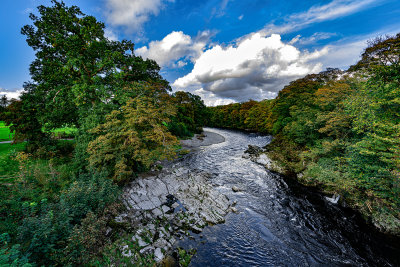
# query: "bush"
x,y
92,192
86,240
179,129
11,256
46,228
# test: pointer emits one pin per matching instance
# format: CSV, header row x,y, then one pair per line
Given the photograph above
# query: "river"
x,y
279,222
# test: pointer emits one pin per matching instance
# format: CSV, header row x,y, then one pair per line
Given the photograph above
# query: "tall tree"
x,y
77,68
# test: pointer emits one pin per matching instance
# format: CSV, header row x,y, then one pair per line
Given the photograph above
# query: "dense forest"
x,y
59,198
338,130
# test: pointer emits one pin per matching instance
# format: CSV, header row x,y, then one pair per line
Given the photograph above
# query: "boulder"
x,y
235,189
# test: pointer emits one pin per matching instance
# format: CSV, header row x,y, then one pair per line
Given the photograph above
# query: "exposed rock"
x,y
164,206
235,189
205,139
126,251
262,159
159,256
334,199
254,150
147,250
141,242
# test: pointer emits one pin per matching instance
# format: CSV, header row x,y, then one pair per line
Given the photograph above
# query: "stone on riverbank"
x,y
235,189
169,205
259,156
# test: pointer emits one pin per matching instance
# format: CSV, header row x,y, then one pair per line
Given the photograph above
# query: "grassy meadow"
x,y
5,134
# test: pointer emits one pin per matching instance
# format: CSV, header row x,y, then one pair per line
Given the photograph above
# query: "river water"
x,y
279,223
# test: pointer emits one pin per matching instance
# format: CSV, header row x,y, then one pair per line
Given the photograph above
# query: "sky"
x,y
223,50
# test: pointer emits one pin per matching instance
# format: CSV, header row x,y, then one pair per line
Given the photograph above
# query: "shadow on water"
x,y
279,222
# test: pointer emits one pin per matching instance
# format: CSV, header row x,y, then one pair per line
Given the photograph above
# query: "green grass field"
x,y
66,132
5,134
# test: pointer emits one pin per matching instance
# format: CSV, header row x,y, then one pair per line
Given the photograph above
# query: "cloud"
x,y
211,99
111,35
220,10
312,39
11,94
131,14
330,11
175,46
255,67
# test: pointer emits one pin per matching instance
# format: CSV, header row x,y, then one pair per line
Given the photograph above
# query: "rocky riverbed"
x,y
167,205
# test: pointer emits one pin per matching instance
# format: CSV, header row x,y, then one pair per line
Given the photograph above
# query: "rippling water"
x,y
278,224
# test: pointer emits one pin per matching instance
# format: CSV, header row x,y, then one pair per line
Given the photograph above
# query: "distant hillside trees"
x,y
191,114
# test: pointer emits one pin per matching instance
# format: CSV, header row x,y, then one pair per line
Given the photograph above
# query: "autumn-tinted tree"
x,y
135,136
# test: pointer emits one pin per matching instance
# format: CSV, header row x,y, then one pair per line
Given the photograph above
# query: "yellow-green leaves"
x,y
134,137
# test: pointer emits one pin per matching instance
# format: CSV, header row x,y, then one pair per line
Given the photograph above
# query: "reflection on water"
x,y
277,224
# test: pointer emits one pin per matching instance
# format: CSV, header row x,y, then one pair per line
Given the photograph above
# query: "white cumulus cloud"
x,y
11,93
210,99
173,47
132,13
255,67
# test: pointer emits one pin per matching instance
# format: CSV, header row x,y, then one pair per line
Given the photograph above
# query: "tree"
x,y
295,96
77,69
381,52
135,136
21,116
191,114
4,101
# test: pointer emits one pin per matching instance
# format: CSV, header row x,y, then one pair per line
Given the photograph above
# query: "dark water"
x,y
279,223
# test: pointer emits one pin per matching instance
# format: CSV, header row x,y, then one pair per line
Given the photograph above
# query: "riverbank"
x,y
165,206
206,138
275,160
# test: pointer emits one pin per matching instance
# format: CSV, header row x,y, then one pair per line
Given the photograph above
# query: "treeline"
x,y
339,130
58,199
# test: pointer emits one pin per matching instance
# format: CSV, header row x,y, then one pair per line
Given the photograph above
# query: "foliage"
x,y
55,209
135,136
21,117
185,256
232,115
76,66
46,227
41,203
88,240
3,102
190,116
11,256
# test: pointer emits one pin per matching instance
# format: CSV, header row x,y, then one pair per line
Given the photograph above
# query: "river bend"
x,y
279,223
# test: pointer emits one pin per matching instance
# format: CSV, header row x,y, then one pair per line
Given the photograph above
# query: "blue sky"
x,y
224,50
